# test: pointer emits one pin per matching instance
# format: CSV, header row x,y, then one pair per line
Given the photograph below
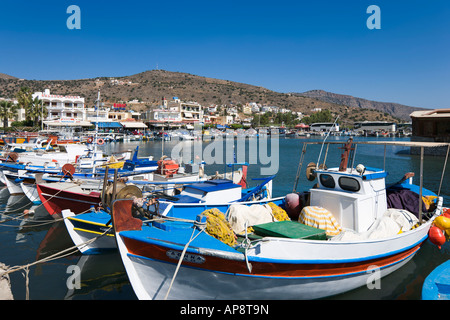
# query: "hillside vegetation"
x,y
150,87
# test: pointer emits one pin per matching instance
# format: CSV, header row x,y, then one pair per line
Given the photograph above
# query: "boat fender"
x,y
436,236
100,141
446,212
293,205
442,222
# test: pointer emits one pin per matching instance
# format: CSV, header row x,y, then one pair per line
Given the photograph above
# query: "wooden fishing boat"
x,y
181,257
84,227
57,196
437,284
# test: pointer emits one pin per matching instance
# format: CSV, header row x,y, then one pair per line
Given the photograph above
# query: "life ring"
x,y
100,141
89,140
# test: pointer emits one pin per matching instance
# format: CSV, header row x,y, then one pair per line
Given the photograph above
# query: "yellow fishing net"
x,y
278,212
218,227
429,201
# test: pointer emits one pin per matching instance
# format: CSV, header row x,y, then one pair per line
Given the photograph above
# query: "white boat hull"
x,y
13,187
318,268
88,241
190,283
31,192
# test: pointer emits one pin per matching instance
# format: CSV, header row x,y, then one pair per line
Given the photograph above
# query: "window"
x,y
349,184
327,181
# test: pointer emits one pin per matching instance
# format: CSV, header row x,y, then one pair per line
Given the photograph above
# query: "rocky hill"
x,y
397,110
6,76
150,86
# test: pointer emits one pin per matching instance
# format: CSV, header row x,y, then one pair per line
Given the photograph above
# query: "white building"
x,y
63,111
265,109
175,113
255,107
62,107
165,115
324,126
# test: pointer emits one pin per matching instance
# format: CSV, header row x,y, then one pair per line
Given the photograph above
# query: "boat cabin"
x,y
212,191
355,198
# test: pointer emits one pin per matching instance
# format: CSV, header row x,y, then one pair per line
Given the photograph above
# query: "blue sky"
x,y
286,46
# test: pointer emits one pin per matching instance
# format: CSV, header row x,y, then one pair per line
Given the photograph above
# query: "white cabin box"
x,y
212,191
355,200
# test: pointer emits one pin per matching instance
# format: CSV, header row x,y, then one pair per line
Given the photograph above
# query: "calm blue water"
x,y
103,277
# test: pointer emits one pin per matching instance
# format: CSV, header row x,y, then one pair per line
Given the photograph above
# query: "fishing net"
x,y
278,213
218,227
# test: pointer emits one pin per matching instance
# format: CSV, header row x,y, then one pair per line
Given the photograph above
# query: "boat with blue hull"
x,y
346,232
23,178
85,227
437,284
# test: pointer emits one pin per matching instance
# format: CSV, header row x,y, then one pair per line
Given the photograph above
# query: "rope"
x,y
71,186
64,253
202,228
35,224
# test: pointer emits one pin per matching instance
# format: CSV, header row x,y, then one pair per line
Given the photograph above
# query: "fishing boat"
x,y
31,145
79,195
437,284
83,228
195,187
87,192
345,236
60,155
21,178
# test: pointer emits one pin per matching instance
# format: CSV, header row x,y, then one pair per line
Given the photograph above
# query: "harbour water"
x,y
24,240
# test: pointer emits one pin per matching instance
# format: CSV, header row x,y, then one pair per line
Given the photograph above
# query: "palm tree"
x,y
36,110
24,101
33,107
7,110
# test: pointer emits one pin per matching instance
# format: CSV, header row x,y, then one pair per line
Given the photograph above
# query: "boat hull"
x,y
437,284
57,199
13,187
31,192
90,237
151,275
271,268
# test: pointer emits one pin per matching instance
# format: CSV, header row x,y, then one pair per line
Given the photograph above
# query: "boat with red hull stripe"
x,y
178,254
60,196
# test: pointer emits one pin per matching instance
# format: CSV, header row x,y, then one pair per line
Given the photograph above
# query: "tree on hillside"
x,y
24,97
321,116
7,111
33,107
37,110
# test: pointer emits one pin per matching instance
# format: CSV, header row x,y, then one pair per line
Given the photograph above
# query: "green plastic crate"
x,y
289,229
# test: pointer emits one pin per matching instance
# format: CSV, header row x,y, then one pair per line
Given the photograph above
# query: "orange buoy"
x,y
100,141
446,212
436,236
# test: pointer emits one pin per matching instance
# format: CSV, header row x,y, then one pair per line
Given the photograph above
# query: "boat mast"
x,y
96,130
323,142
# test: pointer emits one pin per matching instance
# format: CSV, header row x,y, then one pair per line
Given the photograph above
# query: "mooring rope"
x,y
202,227
64,253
